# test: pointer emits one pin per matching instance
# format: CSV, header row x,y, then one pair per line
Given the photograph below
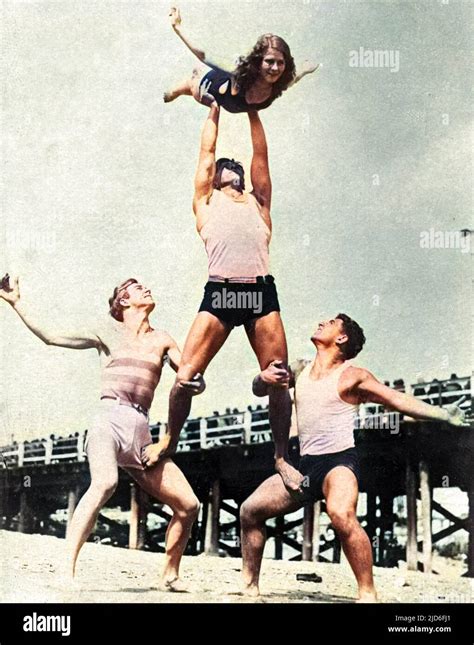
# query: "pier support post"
x,y
247,427
425,493
4,505
386,522
26,516
279,528
336,553
308,524
411,548
72,499
470,530
203,526
316,529
138,517
211,543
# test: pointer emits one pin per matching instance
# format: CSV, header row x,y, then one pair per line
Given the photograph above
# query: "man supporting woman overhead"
x,y
235,226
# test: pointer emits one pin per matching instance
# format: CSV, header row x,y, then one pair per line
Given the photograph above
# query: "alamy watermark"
x,y
433,239
375,58
380,421
38,623
228,299
31,240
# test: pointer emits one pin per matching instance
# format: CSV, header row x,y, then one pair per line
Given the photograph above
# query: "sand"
x,y
31,567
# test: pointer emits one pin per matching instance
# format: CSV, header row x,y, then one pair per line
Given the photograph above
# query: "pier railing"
x,y
233,428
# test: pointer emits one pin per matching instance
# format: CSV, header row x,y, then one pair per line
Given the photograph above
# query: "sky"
x,y
98,179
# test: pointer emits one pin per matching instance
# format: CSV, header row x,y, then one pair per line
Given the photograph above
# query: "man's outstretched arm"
x,y
207,159
260,169
74,340
371,390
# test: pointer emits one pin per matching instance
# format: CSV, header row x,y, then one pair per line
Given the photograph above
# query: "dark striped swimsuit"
x,y
230,102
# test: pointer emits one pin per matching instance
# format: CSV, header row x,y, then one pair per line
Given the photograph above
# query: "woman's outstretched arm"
x,y
306,68
175,18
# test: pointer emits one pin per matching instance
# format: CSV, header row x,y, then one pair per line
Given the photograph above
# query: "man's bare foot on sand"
x,y
173,585
367,597
251,591
292,478
65,581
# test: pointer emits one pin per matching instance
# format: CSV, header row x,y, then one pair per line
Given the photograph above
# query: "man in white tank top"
x,y
328,391
235,226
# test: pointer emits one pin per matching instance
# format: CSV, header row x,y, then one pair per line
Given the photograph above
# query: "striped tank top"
x,y
131,378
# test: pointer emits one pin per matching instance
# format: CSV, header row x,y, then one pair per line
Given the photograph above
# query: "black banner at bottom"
x,y
183,622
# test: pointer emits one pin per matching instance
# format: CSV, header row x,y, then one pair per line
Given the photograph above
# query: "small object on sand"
x,y
308,577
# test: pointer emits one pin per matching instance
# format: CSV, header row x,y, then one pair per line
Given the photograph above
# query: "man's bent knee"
x,y
250,513
189,508
103,489
343,520
193,507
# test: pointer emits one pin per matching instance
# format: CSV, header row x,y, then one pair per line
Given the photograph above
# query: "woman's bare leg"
x,y
187,87
181,89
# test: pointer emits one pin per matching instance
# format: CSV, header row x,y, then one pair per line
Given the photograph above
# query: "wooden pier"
x,y
226,457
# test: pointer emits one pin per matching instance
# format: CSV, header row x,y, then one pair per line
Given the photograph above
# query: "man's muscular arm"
x,y
207,159
259,169
73,340
369,389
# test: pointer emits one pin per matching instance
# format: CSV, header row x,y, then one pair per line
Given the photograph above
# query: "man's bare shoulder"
x,y
163,338
356,374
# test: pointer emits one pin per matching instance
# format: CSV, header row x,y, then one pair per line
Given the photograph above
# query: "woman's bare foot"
x,y
169,96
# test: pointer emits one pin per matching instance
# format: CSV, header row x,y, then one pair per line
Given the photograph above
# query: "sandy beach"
x,y
31,567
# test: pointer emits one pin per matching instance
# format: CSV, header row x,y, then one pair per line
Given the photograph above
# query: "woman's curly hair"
x,y
248,67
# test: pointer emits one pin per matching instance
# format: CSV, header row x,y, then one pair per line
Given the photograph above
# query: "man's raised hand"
x,y
153,453
456,416
10,292
196,385
276,374
175,17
